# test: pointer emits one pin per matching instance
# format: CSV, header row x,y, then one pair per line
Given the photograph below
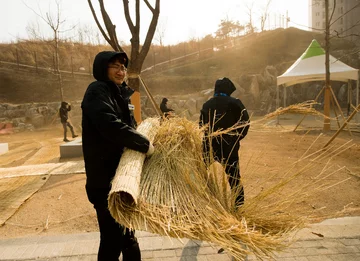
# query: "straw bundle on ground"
x,y
305,108
179,197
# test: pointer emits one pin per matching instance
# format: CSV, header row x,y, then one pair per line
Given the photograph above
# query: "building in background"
x,y
345,21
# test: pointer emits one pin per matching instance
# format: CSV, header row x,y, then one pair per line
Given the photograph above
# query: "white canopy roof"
x,y
311,67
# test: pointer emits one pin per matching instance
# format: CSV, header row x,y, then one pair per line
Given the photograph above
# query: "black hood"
x,y
101,62
224,85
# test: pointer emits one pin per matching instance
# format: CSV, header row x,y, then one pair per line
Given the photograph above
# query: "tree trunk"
x,y
57,67
327,94
134,83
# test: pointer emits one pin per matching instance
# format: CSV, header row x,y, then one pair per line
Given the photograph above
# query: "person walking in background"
x,y
223,112
64,118
164,109
107,128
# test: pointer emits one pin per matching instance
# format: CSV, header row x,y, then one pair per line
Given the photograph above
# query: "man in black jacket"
x,y
222,112
64,118
108,128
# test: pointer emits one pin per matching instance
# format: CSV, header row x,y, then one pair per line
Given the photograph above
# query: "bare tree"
x,y
138,51
160,32
265,15
87,34
250,26
33,31
55,22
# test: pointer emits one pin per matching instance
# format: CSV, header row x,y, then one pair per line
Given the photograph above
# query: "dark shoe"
x,y
74,136
66,140
221,250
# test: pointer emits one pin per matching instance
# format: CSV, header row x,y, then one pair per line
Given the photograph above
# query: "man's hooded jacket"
x,y
107,126
63,111
222,112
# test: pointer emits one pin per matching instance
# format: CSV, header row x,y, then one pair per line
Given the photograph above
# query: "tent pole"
x,y
357,92
317,97
349,98
357,96
345,124
277,102
338,105
284,97
335,113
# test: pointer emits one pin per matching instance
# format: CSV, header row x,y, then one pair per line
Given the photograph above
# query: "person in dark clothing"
x,y
108,128
222,112
164,109
64,118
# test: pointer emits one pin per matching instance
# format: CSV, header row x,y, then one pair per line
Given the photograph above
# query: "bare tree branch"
x,y
152,28
348,29
356,6
55,24
110,27
332,14
98,23
128,18
265,15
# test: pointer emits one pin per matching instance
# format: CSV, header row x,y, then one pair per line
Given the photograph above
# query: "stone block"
x,y
4,147
71,149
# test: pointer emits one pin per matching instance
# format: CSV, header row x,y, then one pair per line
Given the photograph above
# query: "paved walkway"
x,y
333,239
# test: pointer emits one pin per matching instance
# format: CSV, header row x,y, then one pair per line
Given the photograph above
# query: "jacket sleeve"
x,y
99,109
243,118
203,118
62,114
164,108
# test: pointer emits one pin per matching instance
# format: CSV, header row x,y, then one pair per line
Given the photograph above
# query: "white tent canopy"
x,y
311,67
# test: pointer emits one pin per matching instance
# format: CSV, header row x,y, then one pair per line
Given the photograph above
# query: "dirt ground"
x,y
268,154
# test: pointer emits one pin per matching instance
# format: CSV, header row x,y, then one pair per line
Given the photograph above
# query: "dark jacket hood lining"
x,y
224,85
101,62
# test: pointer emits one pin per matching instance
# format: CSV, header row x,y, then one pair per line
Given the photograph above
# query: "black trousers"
x,y
232,169
115,238
65,125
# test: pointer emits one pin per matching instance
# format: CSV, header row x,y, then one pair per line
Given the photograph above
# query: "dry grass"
x,y
305,108
179,197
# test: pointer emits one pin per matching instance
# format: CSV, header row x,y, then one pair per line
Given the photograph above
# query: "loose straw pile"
x,y
179,197
305,108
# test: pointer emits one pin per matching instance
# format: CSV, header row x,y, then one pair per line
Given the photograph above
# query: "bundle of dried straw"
x,y
173,193
179,197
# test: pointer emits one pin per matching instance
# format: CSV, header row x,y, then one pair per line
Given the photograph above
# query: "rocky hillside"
x,y
252,62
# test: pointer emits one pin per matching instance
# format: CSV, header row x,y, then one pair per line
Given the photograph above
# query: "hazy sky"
x,y
179,20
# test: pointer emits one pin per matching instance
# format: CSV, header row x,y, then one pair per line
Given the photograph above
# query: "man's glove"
x,y
150,150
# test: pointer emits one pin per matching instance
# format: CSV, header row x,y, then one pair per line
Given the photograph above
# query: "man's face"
x,y
116,72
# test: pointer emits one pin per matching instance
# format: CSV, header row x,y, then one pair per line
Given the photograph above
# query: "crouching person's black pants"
x,y
115,238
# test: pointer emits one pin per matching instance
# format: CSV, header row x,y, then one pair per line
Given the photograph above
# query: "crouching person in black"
x,y
167,112
222,112
108,128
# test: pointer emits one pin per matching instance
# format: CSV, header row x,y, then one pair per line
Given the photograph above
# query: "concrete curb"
x,y
334,239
